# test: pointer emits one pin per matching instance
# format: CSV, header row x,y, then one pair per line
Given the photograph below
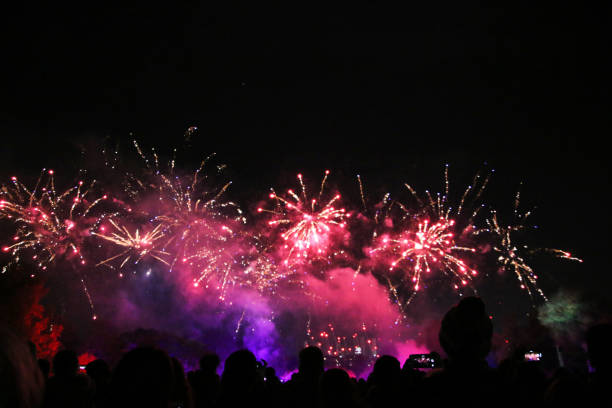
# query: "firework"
x,y
357,343
200,241
260,272
135,245
182,201
432,245
428,238
196,222
308,224
199,237
49,224
438,206
514,257
241,266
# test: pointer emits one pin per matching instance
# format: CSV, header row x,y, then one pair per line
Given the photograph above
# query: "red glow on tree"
x,y
39,328
21,310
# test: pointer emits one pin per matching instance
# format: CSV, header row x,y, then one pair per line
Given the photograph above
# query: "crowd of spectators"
x,y
148,377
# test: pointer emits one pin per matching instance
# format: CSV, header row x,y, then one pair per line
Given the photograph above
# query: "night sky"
x,y
391,94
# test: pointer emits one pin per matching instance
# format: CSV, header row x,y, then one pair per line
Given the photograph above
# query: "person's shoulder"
x,y
437,374
295,378
436,379
82,381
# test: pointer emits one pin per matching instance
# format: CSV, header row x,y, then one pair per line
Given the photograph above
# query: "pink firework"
x,y
432,245
417,246
309,224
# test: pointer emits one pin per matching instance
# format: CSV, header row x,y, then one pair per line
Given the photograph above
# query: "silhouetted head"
x,y
45,367
209,362
387,364
311,361
387,368
143,378
240,369
335,388
65,364
98,370
270,372
599,343
466,331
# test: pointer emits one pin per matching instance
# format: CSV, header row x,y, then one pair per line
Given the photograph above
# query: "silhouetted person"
x,y
465,335
45,367
270,377
205,382
303,387
68,388
181,396
21,382
384,383
143,378
336,389
240,384
411,375
362,388
99,371
599,344
529,383
567,389
274,389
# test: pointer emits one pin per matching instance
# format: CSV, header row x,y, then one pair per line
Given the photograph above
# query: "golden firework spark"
x,y
137,245
514,257
49,224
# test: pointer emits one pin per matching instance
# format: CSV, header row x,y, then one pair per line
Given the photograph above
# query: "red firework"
x,y
430,246
308,224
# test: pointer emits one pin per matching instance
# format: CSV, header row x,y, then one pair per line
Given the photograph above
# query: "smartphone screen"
x,y
533,356
423,360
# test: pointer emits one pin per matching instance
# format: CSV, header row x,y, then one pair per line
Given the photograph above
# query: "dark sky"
x,y
390,93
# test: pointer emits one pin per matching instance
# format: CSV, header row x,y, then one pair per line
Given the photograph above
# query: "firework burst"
x,y
308,224
433,236
514,257
438,206
197,223
182,201
260,272
136,246
49,224
243,265
432,245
